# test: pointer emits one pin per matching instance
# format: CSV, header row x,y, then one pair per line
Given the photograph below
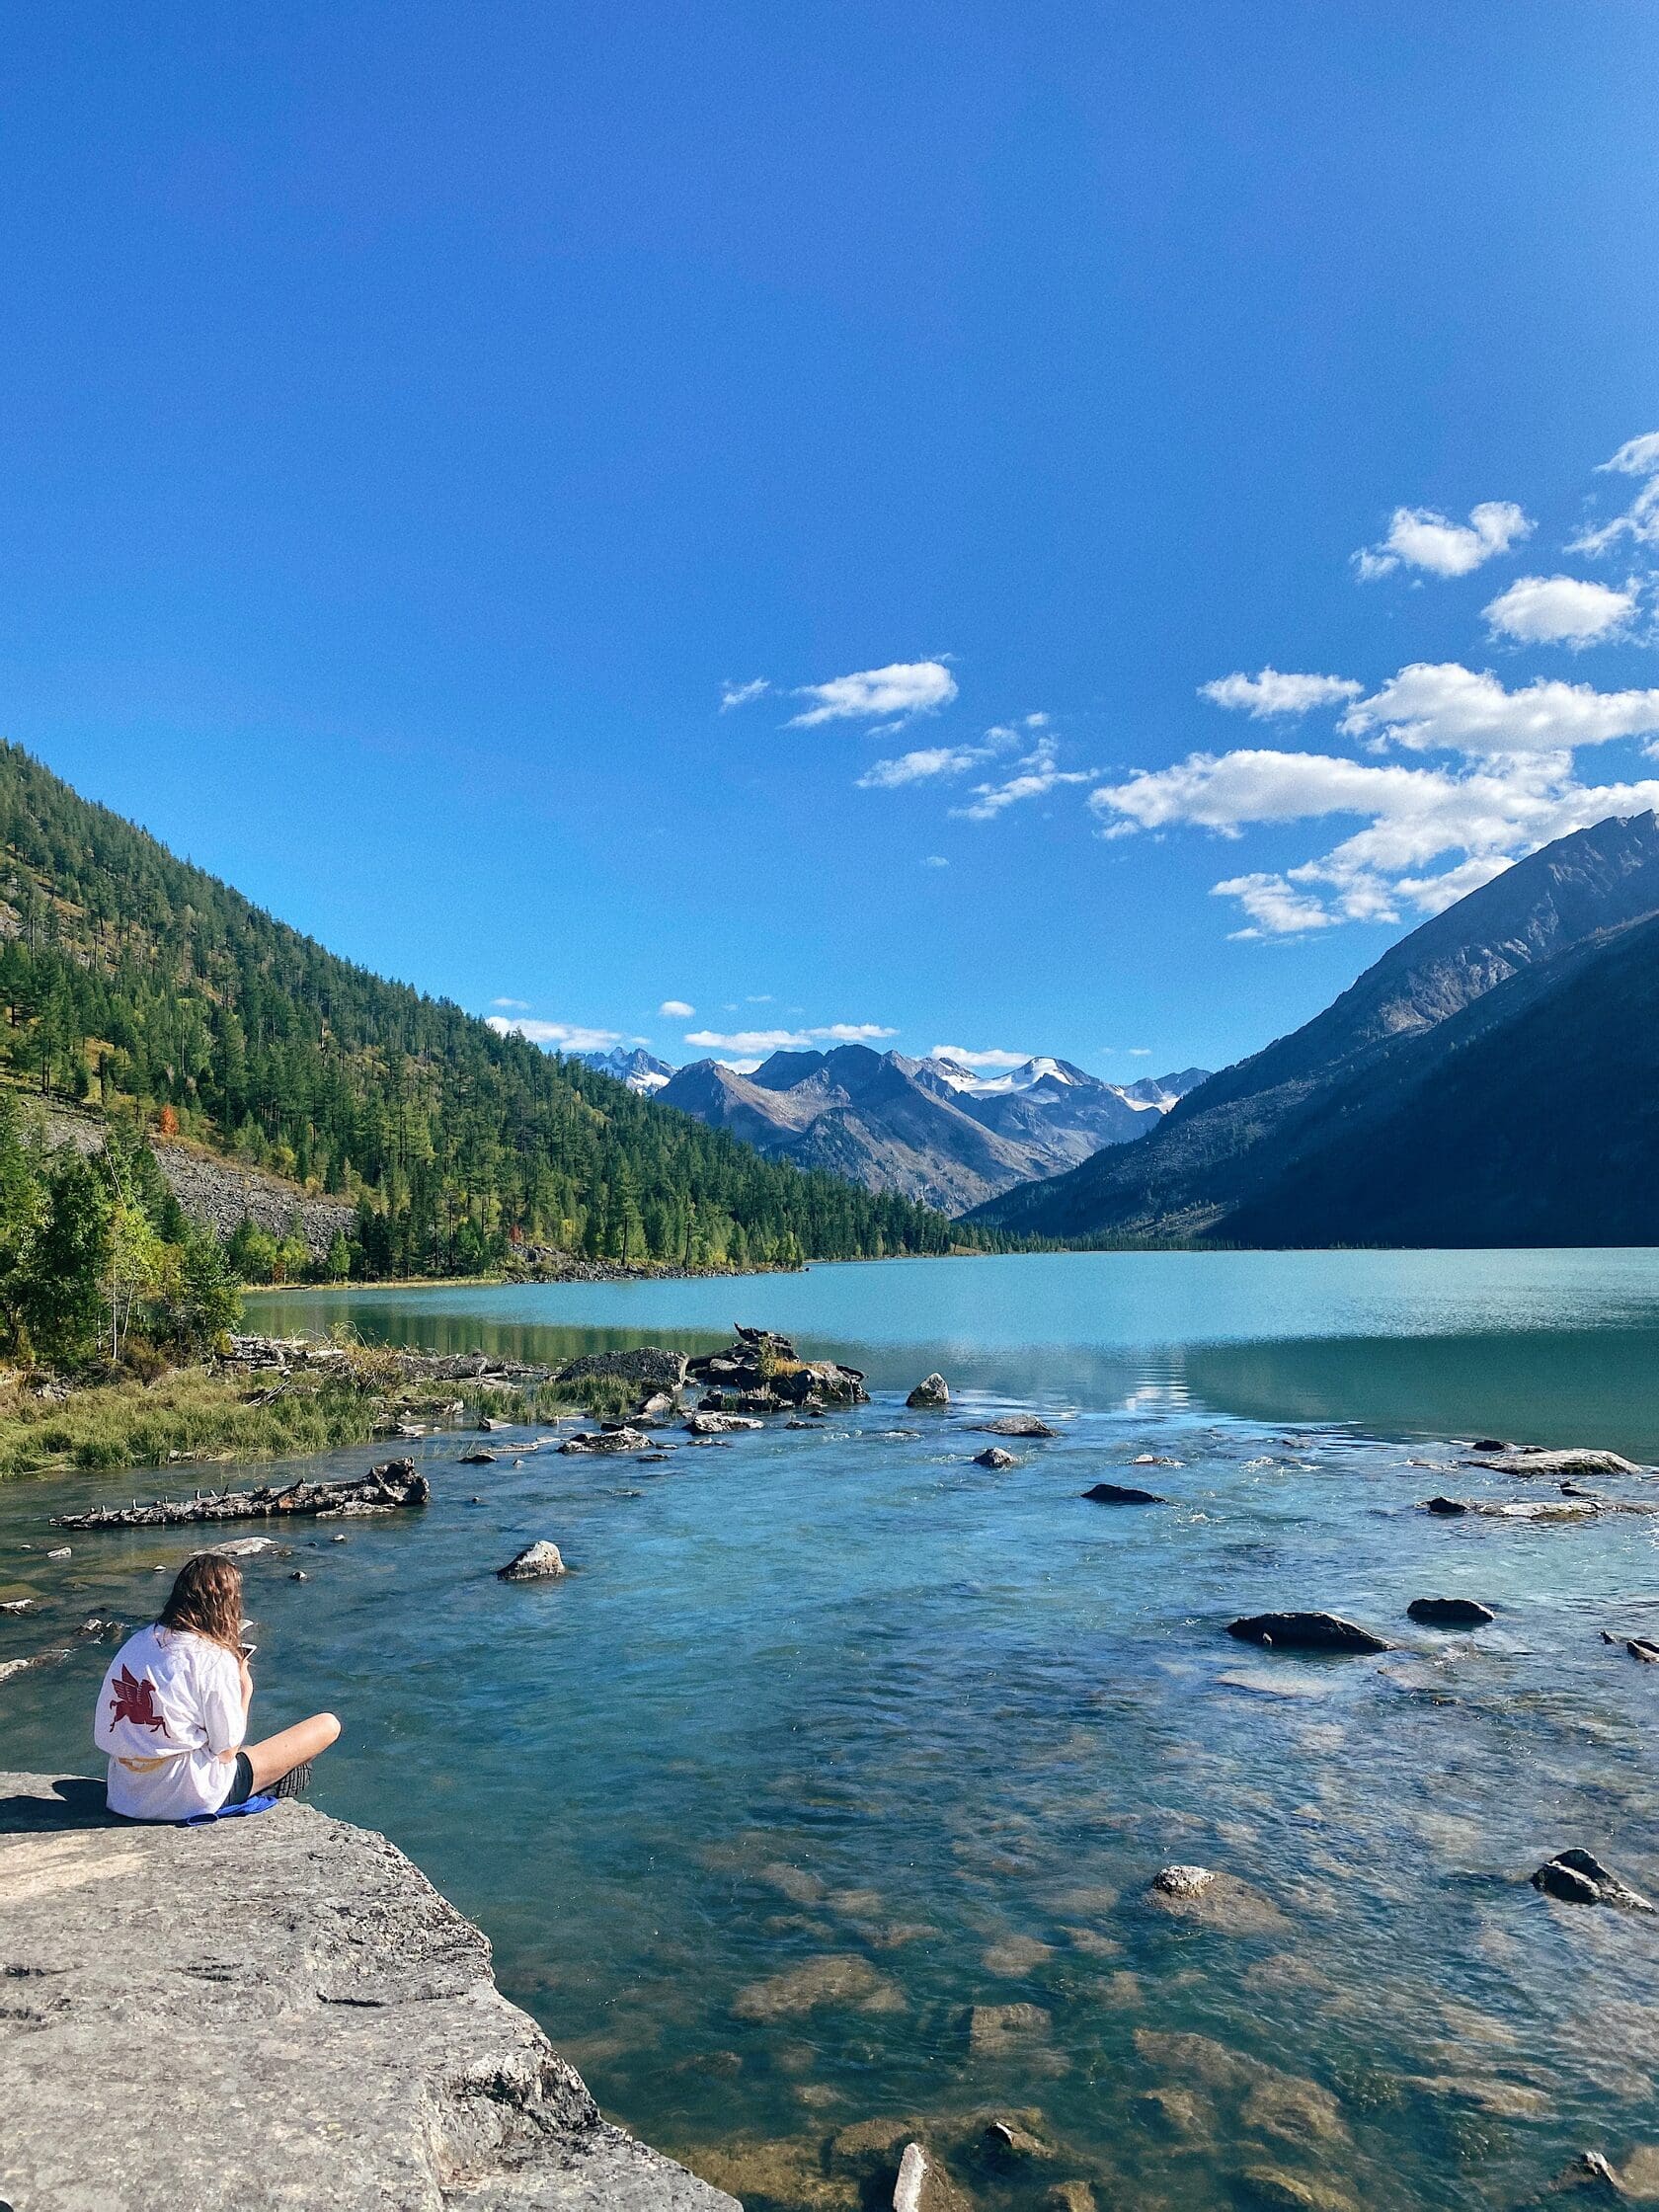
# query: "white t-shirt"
x,y
170,1701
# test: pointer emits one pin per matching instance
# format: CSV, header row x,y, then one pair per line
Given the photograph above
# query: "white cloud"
x,y
1485,816
1270,693
751,1041
904,688
1435,706
992,1058
676,1009
517,1005
1560,610
935,860
557,1036
1037,774
741,694
922,767
1638,457
1420,539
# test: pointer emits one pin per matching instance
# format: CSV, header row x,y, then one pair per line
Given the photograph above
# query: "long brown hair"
x,y
207,1599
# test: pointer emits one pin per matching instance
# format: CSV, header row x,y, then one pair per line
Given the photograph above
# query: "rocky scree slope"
x,y
1480,1083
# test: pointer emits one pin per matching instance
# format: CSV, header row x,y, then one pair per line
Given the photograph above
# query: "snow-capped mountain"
x,y
640,1071
929,1128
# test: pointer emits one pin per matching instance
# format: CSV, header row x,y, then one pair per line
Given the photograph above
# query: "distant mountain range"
x,y
926,1129
1493,1079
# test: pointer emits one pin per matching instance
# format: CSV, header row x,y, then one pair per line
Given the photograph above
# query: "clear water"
x,y
840,1695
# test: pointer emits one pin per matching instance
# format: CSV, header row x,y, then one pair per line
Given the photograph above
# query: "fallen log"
x,y
384,1489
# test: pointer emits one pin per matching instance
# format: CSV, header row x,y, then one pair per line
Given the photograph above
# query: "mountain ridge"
x,y
934,1130
1221,1163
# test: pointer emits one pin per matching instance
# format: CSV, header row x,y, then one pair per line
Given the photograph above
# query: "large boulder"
x,y
1578,1877
996,1458
719,1424
537,1562
1122,1493
1016,1424
1304,1631
648,1369
332,2034
1451,1612
606,1442
930,1395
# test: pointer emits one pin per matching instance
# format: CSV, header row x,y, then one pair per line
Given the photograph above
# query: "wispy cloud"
x,y
1420,539
934,860
1036,774
922,766
676,1009
904,688
741,694
557,1036
517,1005
1562,611
751,1041
1638,457
993,1057
1271,692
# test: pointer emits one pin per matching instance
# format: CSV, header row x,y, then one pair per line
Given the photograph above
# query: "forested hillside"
x,y
130,978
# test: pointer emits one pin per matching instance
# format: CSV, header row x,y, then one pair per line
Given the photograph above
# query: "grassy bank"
x,y
206,1415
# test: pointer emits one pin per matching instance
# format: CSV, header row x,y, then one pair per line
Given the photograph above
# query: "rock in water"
x,y
993,1456
1016,1424
1446,1506
339,2008
1183,1881
1304,1631
1579,1461
605,1441
930,1395
1578,1877
479,1458
1451,1612
537,1562
924,2185
1122,1493
648,1370
1643,1647
719,1424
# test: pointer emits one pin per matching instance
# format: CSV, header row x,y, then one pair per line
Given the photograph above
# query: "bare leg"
x,y
276,1756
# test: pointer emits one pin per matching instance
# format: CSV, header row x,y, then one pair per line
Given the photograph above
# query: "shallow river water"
x,y
829,1787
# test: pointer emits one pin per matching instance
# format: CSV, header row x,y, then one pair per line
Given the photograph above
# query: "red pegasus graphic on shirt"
x,y
134,1700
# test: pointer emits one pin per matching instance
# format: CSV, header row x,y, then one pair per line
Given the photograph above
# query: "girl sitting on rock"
x,y
173,1712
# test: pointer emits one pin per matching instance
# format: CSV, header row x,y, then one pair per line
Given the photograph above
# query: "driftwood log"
x,y
382,1490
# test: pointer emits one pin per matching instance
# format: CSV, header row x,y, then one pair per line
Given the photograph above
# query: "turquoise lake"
x,y
829,1787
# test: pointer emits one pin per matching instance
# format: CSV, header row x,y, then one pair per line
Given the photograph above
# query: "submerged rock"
x,y
842,1979
1451,1612
537,1562
1122,1493
1304,1631
1015,1424
1578,1877
478,1459
930,1395
1220,1902
998,2030
996,1458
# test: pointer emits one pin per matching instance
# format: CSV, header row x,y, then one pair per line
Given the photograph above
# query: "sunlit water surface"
x,y
841,1695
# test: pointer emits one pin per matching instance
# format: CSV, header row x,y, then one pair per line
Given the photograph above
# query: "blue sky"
x,y
416,421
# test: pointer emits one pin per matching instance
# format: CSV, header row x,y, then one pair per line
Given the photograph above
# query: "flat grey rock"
x,y
327,2030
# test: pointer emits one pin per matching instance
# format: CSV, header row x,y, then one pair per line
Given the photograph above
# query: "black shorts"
x,y
242,1782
